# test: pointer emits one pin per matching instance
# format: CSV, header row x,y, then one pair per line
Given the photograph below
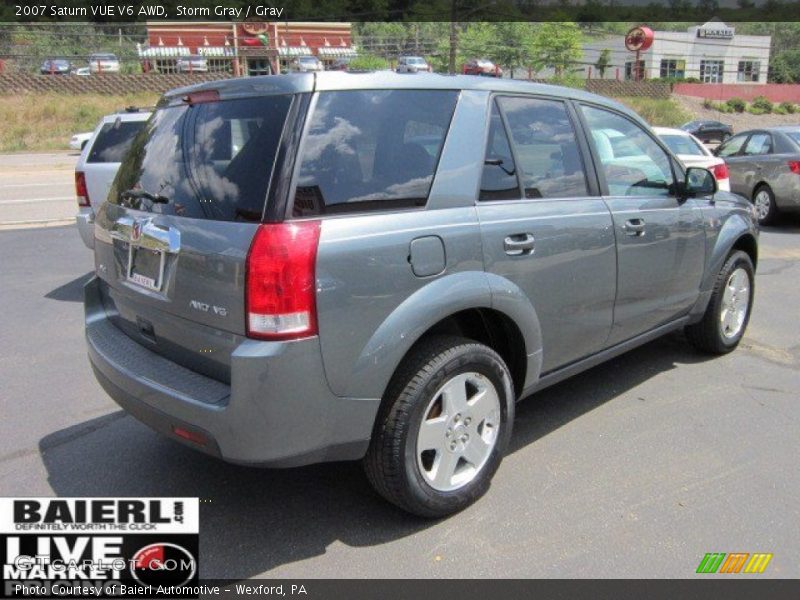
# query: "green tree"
x,y
603,61
556,45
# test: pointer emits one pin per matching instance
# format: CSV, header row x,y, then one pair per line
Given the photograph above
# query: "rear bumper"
x,y
278,410
85,221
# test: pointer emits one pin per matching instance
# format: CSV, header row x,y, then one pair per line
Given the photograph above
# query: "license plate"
x,y
145,267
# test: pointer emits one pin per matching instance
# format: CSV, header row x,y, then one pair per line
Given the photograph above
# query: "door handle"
x,y
634,227
519,244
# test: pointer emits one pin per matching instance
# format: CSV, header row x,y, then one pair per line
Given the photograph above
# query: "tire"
x,y
764,201
714,334
395,463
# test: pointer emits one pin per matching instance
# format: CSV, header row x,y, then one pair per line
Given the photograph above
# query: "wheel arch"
x,y
476,305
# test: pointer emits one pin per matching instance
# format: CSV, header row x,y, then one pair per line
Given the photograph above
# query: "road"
x,y
37,189
636,468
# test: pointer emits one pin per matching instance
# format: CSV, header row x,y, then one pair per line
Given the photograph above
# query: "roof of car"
x,y
343,80
128,115
671,131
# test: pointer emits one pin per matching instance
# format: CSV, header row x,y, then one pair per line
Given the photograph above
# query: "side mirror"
x,y
699,182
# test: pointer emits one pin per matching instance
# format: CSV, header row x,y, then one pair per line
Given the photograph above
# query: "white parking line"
x,y
48,184
33,200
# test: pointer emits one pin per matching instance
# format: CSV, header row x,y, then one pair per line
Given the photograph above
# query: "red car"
x,y
481,66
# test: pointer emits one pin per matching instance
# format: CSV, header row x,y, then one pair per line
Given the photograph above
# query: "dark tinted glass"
x,y
113,141
207,161
544,142
499,180
372,150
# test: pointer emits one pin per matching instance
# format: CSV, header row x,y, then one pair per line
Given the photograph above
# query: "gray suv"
x,y
338,266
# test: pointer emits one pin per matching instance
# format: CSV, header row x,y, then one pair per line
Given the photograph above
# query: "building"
x,y
246,48
711,53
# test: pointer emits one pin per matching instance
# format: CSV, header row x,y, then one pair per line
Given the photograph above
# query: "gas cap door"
x,y
426,256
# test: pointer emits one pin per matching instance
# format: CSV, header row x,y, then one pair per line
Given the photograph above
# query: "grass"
x,y
41,122
659,112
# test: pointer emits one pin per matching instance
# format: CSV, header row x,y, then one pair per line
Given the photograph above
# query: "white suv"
x,y
99,162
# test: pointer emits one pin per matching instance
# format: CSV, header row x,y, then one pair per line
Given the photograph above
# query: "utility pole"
x,y
453,37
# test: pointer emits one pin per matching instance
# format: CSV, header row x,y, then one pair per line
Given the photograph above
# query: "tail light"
x,y
280,287
794,166
80,189
720,171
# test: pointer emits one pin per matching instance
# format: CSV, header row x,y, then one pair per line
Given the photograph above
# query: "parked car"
x,y
55,66
345,266
192,64
708,131
103,63
306,64
693,153
482,66
99,162
79,140
341,64
765,167
412,64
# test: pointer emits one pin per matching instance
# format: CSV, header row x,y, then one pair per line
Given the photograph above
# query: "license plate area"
x,y
146,267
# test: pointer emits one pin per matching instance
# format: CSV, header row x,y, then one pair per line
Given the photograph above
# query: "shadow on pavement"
x,y
72,291
253,520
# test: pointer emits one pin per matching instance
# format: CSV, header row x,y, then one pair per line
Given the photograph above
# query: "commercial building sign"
x,y
717,33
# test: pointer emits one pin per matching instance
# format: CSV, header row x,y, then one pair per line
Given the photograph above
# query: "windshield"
x,y
206,161
682,144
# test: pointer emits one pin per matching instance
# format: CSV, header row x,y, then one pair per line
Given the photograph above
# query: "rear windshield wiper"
x,y
144,194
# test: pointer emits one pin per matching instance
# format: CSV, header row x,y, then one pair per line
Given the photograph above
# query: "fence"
x,y
105,84
120,83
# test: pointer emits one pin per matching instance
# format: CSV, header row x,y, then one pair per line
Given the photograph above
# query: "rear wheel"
x,y
728,312
764,201
443,428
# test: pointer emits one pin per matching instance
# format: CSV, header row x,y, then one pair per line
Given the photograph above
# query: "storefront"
x,y
711,53
249,48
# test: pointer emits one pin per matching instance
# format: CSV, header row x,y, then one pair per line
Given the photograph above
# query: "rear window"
x,y
206,161
682,144
372,150
113,141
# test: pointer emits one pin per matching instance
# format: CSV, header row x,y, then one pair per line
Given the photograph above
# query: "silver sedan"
x,y
764,166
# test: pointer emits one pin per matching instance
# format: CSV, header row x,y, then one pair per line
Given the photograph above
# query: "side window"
x,y
732,146
499,180
545,146
759,143
372,150
113,141
633,163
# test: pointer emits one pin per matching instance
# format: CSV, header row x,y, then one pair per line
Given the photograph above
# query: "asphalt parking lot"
x,y
636,468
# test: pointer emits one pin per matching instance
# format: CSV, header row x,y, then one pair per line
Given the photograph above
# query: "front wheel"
x,y
728,312
443,427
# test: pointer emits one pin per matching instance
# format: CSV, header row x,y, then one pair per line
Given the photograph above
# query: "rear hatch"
x,y
173,238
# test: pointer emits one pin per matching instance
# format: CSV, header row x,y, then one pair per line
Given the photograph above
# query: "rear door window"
x,y
545,146
372,150
113,141
211,160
